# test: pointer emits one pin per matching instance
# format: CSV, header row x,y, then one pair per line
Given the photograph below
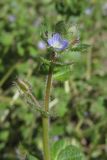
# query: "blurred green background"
x,y
79,103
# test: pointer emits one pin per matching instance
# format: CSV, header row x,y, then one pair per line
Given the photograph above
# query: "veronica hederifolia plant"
x,y
59,41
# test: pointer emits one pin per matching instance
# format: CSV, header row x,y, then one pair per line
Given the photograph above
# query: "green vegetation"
x,y
78,102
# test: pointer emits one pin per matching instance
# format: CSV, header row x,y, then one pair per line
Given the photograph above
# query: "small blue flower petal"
x,y
64,44
41,45
57,42
56,37
50,41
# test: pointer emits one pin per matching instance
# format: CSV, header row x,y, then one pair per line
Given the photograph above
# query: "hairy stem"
x,y
46,146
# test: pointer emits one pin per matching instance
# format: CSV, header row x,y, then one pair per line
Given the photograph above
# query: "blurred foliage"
x,y
79,95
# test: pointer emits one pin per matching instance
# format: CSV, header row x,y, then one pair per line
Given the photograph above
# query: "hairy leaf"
x,y
70,153
57,147
80,47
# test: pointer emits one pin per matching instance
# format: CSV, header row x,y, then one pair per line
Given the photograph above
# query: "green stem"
x,y
46,146
89,65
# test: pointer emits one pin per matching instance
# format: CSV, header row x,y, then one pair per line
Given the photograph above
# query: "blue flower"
x,y
88,11
41,45
57,42
11,18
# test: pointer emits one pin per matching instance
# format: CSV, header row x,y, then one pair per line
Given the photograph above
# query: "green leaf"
x,y
60,111
32,51
97,107
60,27
73,56
20,49
70,153
30,157
56,148
80,47
4,135
58,64
45,30
6,38
45,61
62,74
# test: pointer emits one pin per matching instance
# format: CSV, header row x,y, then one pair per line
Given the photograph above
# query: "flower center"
x,y
57,44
